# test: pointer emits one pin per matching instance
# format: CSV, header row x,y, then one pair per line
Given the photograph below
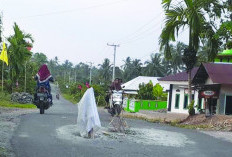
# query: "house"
x,y
214,83
132,86
178,91
212,89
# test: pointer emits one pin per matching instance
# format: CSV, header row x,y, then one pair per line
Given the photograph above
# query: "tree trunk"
x,y
189,87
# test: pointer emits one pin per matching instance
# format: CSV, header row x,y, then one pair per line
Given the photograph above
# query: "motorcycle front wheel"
x,y
118,109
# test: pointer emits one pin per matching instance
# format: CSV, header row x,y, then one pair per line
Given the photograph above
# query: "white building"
x,y
178,93
132,86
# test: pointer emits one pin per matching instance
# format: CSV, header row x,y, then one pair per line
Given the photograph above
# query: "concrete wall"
x,y
181,101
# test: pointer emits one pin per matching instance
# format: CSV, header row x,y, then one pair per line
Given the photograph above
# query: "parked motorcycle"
x,y
42,100
116,103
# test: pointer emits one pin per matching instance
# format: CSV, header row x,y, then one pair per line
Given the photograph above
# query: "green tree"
x,y
39,59
17,52
158,91
105,71
189,13
154,67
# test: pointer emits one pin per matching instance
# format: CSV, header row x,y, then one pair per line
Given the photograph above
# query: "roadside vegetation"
x,y
6,102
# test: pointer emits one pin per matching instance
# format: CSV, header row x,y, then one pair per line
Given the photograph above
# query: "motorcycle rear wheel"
x,y
41,108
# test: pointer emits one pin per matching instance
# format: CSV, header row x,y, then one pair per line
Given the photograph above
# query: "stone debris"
x,y
118,124
22,98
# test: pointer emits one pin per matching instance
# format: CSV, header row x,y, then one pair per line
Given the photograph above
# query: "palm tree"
x,y
189,13
39,59
105,70
17,52
176,61
154,66
127,68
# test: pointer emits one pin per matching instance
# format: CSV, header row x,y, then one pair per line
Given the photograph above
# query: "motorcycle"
x,y
57,96
43,101
116,103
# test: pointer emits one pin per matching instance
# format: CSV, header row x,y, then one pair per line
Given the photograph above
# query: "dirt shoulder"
x,y
9,120
153,116
214,122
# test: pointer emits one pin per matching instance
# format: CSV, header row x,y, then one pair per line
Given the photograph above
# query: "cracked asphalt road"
x,y
53,135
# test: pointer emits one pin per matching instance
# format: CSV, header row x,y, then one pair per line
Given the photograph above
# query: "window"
x,y
199,103
192,96
185,101
177,101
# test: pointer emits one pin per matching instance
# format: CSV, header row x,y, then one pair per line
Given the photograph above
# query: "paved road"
x,y
53,135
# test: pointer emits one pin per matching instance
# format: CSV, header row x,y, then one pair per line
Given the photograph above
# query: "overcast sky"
x,y
79,30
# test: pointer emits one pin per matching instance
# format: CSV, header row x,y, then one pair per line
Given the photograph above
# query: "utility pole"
x,y
25,84
69,77
115,48
75,75
90,73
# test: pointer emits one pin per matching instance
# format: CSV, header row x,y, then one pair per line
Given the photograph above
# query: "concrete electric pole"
x,y
115,48
90,73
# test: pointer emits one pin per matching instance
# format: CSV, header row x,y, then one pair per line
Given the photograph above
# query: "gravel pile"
x,y
9,119
22,98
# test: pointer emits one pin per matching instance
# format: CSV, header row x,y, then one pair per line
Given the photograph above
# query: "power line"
x,y
71,10
140,35
141,27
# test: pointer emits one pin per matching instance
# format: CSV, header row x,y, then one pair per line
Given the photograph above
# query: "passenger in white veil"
x,y
88,120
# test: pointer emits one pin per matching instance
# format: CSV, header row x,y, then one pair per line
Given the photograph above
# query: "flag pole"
x,y
2,74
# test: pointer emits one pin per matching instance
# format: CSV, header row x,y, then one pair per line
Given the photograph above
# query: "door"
x,y
228,105
212,106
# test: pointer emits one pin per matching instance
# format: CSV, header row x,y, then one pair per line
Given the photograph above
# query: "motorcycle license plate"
x,y
41,96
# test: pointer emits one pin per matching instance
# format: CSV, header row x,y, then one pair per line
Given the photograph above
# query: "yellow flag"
x,y
3,55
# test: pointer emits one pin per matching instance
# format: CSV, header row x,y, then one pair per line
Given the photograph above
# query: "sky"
x,y
79,30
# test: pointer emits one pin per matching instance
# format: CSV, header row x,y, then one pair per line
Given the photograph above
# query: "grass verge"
x,y
69,98
9,104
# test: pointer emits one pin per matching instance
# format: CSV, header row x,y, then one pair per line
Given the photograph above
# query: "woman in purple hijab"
x,y
43,77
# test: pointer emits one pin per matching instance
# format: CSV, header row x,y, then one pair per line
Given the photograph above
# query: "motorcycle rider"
x,y
43,77
116,85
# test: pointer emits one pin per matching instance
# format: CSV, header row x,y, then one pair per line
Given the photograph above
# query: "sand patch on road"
x,y
134,135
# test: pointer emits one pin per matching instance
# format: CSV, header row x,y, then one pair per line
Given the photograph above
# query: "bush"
x,y
150,92
158,91
74,93
146,91
191,109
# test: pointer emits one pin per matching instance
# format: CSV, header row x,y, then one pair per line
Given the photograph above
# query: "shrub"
x,y
158,91
146,91
191,109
